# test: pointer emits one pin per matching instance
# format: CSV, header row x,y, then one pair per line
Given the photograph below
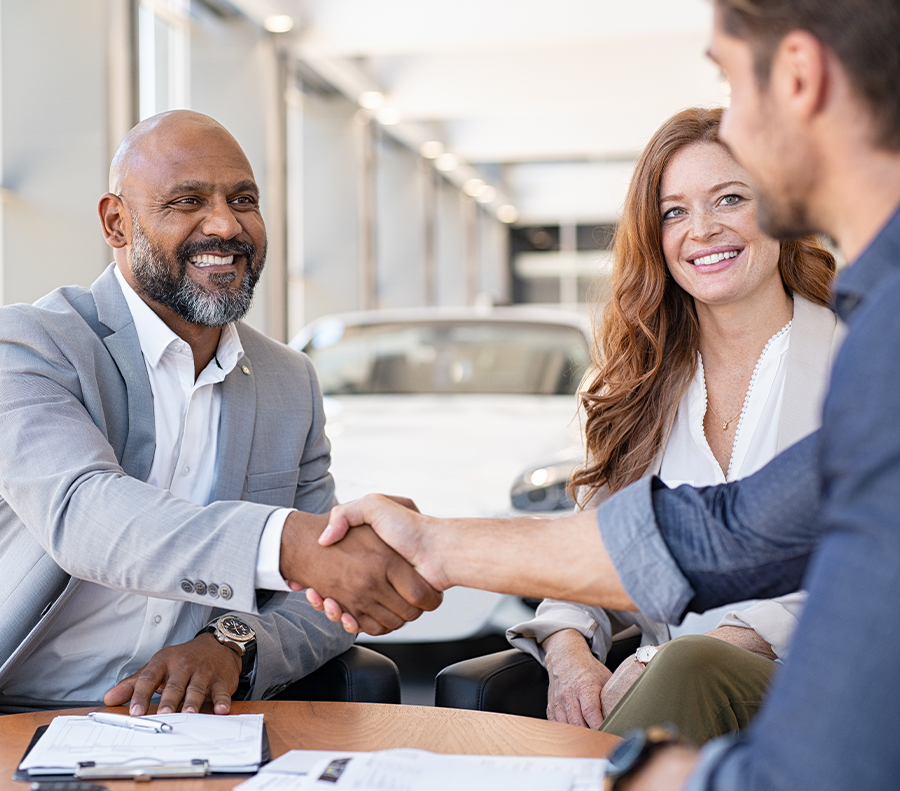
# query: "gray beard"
x,y
189,300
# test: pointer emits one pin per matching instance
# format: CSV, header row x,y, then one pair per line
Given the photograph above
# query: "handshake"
x,y
373,578
376,563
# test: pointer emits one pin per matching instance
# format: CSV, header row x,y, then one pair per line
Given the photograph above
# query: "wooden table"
x,y
351,726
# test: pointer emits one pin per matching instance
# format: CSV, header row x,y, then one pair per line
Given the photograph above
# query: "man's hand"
x,y
201,669
397,521
667,770
361,576
402,528
576,680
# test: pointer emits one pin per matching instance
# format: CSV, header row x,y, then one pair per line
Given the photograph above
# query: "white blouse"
x,y
689,459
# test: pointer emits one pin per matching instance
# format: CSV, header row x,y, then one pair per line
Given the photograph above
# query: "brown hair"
x,y
863,34
645,350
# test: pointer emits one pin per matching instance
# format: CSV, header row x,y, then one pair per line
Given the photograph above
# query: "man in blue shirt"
x,y
815,119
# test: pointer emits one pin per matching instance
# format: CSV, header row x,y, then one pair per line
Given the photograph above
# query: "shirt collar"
x,y
877,262
156,336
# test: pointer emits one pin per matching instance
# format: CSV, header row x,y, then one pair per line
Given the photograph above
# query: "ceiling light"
x,y
279,23
486,194
446,162
388,116
507,213
431,149
473,186
371,100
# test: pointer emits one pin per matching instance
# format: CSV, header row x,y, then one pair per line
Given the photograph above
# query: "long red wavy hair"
x,y
645,348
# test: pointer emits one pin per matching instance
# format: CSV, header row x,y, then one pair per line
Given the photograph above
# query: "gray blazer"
x,y
77,440
816,336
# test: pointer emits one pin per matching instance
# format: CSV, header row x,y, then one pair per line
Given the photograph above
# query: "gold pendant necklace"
x,y
718,417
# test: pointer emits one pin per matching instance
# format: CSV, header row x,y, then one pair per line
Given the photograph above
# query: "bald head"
x,y
183,217
156,140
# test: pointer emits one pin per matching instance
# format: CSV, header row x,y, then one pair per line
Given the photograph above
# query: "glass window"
x,y
163,55
449,357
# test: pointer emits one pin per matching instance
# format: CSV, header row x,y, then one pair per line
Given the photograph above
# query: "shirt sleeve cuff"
x,y
708,761
646,568
268,555
552,617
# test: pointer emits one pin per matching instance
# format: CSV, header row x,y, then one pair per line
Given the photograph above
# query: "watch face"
x,y
234,628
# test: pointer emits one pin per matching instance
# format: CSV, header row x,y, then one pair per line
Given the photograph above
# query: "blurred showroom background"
x,y
412,154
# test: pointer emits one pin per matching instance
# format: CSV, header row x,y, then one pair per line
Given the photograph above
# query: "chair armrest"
x,y
359,675
509,682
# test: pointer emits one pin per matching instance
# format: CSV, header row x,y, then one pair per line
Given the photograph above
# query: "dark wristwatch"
x,y
232,631
635,751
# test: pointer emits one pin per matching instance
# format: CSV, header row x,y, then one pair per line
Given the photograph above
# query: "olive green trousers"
x,y
704,686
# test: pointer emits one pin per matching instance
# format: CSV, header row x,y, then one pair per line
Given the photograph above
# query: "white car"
x,y
470,412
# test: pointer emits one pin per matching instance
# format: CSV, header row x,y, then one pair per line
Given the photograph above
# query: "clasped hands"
x,y
398,523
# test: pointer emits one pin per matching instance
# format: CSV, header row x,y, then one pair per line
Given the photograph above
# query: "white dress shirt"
x,y
105,635
689,459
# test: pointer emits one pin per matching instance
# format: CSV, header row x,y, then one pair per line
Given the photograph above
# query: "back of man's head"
x,y
863,34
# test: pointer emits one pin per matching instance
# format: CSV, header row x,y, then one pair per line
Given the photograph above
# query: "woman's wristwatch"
x,y
634,753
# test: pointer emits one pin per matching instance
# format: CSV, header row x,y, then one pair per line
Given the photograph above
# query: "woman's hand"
x,y
744,637
613,691
576,680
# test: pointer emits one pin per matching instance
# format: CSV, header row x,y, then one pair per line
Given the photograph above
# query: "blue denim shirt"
x,y
824,515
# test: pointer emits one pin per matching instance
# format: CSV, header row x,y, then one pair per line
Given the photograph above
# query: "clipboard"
x,y
92,771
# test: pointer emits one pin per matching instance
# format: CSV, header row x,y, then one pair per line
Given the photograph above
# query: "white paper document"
x,y
419,770
229,743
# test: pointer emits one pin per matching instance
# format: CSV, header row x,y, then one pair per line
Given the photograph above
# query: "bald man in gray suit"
x,y
164,467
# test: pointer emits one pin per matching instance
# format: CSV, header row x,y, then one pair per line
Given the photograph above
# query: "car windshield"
x,y
490,357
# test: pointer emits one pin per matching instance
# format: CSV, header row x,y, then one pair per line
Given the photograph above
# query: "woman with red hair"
x,y
711,356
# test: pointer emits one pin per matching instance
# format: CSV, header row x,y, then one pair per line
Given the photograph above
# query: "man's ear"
x,y
112,218
800,74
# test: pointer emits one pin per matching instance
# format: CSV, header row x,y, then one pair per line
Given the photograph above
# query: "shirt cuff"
x,y
646,568
268,555
708,761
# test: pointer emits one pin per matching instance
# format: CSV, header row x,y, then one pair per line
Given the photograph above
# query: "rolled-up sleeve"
x,y
646,567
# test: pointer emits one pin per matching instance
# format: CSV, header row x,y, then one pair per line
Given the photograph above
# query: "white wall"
x,y
53,144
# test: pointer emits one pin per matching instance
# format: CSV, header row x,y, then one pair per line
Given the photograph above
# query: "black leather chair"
x,y
359,675
510,682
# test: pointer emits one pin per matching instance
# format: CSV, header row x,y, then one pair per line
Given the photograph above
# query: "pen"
x,y
135,723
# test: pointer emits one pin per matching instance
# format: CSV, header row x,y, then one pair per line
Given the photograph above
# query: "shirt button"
x,y
157,619
225,591
246,369
187,586
185,470
200,587
212,589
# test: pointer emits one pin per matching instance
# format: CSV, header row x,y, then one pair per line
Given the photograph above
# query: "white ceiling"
x,y
563,93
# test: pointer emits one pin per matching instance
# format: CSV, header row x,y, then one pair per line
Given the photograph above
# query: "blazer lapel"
x,y
236,425
124,347
815,337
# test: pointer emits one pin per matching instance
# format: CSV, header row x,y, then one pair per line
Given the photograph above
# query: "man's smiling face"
x,y
197,238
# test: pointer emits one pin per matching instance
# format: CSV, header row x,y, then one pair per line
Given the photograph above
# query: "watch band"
x,y
239,637
635,751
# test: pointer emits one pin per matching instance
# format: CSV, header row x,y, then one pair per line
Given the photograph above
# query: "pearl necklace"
x,y
762,354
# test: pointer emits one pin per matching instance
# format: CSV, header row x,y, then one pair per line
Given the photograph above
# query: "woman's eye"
x,y
731,200
676,212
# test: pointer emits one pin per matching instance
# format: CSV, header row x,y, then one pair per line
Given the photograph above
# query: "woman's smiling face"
x,y
711,241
